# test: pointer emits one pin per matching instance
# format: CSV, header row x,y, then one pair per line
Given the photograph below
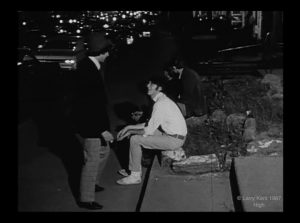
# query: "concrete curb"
x,y
260,183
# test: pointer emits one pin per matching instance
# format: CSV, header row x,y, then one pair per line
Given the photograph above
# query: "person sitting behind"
x,y
166,130
186,86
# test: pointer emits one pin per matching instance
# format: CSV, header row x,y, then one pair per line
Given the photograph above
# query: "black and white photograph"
x,y
150,111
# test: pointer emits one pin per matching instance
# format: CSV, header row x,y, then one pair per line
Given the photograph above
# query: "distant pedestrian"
x,y
90,117
165,130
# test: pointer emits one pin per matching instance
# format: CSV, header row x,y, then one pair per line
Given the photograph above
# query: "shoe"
x,y
133,178
90,205
98,188
123,172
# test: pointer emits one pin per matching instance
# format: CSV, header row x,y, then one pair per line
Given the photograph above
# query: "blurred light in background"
x,y
129,40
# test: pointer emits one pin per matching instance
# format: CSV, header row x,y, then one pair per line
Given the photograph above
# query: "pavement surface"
x,y
209,192
261,189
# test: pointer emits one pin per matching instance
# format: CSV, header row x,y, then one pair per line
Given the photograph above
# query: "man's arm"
x,y
125,131
132,132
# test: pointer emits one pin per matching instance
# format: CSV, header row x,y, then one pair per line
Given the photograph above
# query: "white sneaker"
x,y
133,178
123,172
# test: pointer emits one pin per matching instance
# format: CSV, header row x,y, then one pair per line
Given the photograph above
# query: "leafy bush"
x,y
244,95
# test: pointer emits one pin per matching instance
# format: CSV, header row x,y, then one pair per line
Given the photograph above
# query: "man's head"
x,y
98,46
174,68
155,85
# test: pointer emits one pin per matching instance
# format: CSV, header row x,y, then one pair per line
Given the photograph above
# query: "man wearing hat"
x,y
90,117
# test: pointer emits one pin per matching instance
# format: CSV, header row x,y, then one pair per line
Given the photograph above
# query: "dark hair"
x,y
179,62
102,51
160,81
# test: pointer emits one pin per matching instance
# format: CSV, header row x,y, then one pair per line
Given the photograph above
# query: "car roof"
x,y
65,37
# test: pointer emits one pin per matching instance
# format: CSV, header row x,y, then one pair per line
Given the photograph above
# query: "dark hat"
x,y
97,41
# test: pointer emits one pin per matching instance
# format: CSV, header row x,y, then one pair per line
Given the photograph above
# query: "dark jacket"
x,y
89,105
192,91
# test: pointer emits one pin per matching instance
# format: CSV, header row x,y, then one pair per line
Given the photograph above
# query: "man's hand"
x,y
131,132
126,134
121,133
108,137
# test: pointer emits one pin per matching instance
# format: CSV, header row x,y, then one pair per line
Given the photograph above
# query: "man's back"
x,y
192,92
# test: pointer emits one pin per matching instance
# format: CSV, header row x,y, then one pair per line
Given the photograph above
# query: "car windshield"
x,y
62,43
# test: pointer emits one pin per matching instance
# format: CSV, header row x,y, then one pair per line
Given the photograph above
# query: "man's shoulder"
x,y
164,99
85,64
190,71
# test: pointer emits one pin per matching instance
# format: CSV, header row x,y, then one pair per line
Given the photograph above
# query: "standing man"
x,y
166,130
191,88
91,118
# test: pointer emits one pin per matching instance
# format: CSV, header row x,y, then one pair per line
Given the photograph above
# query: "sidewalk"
x,y
43,180
167,192
260,183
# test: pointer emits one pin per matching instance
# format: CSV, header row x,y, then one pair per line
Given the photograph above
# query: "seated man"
x,y
166,130
187,85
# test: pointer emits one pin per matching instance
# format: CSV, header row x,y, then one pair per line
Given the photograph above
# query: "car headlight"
x,y
69,61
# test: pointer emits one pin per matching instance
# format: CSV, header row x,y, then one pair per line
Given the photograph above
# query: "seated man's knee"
x,y
135,138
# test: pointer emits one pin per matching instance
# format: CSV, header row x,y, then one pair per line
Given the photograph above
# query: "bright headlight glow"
x,y
69,61
105,26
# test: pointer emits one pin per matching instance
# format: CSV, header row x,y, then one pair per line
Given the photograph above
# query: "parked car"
x,y
66,50
38,83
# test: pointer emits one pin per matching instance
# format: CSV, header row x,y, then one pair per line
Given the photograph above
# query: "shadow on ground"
x,y
238,207
55,133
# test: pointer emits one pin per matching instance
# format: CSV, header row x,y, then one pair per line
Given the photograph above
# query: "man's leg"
x,y
90,169
161,142
104,154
